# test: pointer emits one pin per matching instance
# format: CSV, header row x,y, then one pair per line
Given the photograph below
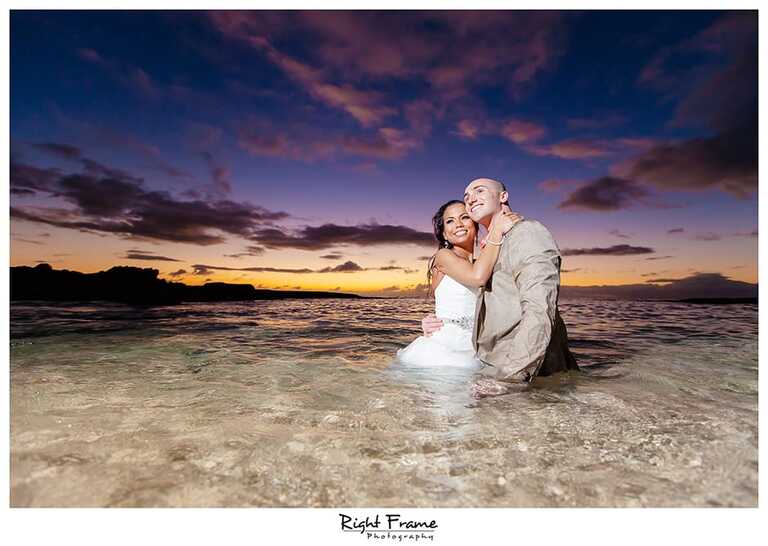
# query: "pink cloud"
x,y
554,185
420,114
458,52
574,149
520,132
367,107
468,129
515,130
388,143
589,148
90,55
306,144
142,82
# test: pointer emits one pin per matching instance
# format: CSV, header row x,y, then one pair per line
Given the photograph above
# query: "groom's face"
x,y
483,198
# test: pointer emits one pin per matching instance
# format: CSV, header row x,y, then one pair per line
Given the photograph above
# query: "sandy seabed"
x,y
120,421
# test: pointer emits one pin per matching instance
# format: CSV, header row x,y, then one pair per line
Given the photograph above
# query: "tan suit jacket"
x,y
518,331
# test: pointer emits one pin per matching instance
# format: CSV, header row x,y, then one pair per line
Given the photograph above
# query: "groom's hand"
x,y
430,324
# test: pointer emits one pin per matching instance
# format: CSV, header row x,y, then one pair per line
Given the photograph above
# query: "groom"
x,y
518,331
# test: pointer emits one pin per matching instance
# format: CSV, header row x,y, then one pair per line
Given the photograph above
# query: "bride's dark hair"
x,y
438,225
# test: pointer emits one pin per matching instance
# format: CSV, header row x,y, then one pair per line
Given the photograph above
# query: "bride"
x,y
455,281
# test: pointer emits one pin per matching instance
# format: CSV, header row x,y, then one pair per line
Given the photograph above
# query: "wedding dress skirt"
x,y
451,346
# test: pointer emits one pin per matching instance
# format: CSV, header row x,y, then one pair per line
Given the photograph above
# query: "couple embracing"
x,y
496,314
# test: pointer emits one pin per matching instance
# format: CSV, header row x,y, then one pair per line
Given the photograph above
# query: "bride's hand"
x,y
430,324
506,220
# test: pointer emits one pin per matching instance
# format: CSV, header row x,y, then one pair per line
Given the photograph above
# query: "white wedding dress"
x,y
451,346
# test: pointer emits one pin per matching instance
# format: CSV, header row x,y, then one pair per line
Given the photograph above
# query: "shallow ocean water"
x,y
296,403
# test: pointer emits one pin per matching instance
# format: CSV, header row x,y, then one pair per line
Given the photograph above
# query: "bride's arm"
x,y
478,273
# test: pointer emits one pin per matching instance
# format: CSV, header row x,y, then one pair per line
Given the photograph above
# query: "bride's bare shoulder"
x,y
443,254
437,276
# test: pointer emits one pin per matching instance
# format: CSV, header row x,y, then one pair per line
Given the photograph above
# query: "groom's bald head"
x,y
500,187
483,198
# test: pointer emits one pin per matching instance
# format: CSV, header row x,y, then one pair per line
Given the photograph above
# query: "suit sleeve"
x,y
534,259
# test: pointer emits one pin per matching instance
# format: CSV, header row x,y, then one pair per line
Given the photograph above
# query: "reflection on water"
x,y
295,403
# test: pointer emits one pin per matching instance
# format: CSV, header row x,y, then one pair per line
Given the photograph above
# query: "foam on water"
x,y
295,403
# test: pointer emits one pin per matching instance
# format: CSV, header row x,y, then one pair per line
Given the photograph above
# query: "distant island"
x,y
137,286
698,288
718,301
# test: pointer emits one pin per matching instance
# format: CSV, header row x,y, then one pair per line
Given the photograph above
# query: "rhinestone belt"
x,y
465,323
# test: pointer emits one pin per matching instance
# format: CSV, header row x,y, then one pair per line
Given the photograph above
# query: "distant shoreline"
x,y
138,286
142,286
716,301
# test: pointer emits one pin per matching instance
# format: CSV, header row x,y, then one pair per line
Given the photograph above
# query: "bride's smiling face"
x,y
458,227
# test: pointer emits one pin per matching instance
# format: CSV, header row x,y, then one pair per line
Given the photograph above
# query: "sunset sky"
x,y
310,149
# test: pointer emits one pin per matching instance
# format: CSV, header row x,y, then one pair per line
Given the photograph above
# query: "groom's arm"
x,y
534,259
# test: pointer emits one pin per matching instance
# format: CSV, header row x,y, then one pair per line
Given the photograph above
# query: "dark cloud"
x,y
22,192
606,194
330,235
199,269
414,290
659,258
722,99
220,173
346,267
204,140
178,273
28,241
99,197
147,256
676,230
615,250
719,96
727,161
332,256
395,268
148,154
570,270
62,150
91,166
211,268
619,234
121,205
29,177
251,250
